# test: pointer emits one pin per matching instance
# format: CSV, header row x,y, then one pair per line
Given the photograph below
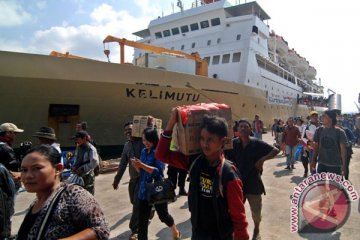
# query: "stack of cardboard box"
x,y
186,133
142,122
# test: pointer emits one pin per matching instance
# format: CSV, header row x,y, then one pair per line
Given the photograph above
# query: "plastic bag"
x,y
74,178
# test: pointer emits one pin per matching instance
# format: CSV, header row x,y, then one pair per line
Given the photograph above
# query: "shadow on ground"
x,y
296,179
121,221
123,236
184,228
282,173
308,232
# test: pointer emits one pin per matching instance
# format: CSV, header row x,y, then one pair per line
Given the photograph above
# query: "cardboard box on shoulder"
x,y
186,134
142,122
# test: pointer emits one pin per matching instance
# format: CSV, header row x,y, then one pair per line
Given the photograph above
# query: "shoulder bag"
x,y
160,191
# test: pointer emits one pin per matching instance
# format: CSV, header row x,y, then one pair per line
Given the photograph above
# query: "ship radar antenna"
x,y
180,5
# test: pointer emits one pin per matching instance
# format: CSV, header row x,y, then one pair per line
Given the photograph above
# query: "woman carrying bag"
x,y
151,169
60,210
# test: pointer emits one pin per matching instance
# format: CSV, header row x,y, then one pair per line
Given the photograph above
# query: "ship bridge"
x,y
251,8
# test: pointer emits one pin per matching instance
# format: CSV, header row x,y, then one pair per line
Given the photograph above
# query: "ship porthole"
x,y
243,105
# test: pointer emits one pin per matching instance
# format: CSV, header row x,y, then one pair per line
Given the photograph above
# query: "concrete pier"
x,y
279,185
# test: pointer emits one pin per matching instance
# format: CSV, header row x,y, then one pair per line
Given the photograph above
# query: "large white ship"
x,y
250,68
238,46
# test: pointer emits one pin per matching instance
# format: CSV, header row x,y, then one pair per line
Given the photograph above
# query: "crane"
x,y
201,64
66,55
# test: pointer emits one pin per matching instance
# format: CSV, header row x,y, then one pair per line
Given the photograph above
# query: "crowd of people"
x,y
313,101
220,181
324,141
60,210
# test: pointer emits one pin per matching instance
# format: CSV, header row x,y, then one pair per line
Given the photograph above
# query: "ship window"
x,y
204,24
175,31
238,37
218,40
194,26
209,42
243,105
158,35
236,57
182,47
193,45
215,21
166,33
184,29
216,60
207,59
226,58
255,29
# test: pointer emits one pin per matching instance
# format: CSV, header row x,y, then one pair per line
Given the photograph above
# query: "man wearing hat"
x,y
307,139
330,146
86,160
46,135
8,176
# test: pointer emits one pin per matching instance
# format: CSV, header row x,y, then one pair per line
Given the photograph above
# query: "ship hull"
x,y
107,95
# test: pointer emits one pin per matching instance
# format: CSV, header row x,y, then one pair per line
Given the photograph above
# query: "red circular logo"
x,y
325,206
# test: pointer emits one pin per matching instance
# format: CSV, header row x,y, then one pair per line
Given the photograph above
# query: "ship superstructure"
x,y
238,46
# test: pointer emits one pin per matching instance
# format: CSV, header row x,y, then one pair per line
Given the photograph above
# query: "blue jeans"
x,y
290,154
258,135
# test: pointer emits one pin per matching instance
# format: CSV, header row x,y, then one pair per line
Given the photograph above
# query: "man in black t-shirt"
x,y
249,155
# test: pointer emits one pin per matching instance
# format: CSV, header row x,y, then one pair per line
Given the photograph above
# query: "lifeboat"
x,y
271,42
292,58
281,46
302,65
310,73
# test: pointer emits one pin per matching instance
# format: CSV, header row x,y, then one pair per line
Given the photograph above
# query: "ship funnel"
x,y
334,102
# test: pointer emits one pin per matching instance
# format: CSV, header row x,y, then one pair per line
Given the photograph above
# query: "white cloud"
x,y
12,14
41,4
86,40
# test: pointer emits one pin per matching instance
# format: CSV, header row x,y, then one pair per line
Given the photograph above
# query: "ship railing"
x,y
313,101
275,68
198,3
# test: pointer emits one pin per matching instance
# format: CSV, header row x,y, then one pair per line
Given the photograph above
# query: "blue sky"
x,y
324,32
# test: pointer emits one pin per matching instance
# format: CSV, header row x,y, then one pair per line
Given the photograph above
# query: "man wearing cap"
x,y
8,175
307,139
86,160
46,135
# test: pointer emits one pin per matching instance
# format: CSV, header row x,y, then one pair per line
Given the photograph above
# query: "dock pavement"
x,y
279,184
